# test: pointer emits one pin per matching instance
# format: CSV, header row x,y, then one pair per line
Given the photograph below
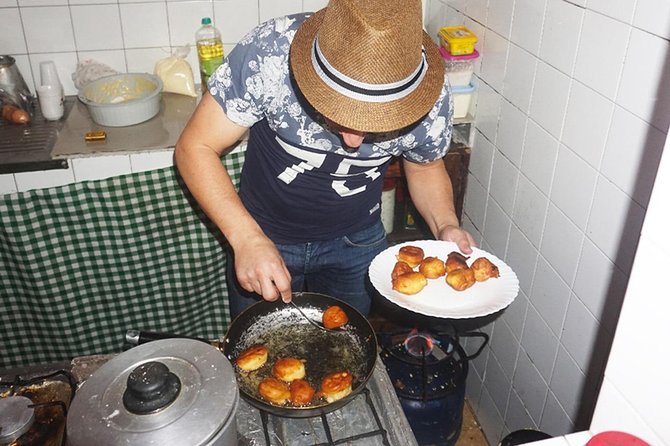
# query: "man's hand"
x,y
260,268
460,236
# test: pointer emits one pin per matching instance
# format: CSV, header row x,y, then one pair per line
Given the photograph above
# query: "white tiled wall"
x,y
572,113
83,169
633,398
95,167
126,35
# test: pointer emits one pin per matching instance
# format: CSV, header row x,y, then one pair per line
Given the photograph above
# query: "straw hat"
x,y
367,64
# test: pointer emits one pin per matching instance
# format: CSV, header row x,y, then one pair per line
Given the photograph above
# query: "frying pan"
x,y
286,333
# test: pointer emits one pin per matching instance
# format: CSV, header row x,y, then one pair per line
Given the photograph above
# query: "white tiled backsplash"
x,y
126,35
571,113
89,168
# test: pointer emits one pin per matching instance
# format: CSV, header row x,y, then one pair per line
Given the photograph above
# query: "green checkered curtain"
x,y
80,264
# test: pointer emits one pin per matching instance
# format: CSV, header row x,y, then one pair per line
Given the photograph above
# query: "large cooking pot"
x,y
12,83
286,333
166,392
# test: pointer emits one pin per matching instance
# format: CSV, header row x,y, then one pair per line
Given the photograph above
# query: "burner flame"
x,y
419,344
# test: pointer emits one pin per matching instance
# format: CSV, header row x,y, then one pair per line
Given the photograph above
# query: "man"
x,y
329,99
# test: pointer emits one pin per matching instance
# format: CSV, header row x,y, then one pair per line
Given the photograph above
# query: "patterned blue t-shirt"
x,y
298,181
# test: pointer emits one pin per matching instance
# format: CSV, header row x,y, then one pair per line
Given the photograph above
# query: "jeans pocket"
x,y
369,237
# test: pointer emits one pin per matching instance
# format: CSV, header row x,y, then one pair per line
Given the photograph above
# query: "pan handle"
x,y
475,334
137,337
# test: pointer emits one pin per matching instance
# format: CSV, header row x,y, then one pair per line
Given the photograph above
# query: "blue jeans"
x,y
337,268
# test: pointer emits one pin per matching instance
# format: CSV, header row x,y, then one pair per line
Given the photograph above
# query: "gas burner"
x,y
421,344
16,417
359,419
428,371
426,365
33,410
18,381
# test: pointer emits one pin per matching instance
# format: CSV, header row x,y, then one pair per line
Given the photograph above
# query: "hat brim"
x,y
358,115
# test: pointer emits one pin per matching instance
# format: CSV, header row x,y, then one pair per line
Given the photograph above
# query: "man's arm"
x,y
432,194
209,133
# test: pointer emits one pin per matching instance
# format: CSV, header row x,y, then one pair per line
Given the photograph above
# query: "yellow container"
x,y
458,40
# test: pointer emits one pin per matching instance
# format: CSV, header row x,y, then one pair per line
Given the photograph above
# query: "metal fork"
x,y
318,325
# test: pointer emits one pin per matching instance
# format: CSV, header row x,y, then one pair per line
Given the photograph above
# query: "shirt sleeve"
x,y
435,131
246,84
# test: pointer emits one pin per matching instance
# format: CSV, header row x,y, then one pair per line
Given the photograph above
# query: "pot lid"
x,y
166,392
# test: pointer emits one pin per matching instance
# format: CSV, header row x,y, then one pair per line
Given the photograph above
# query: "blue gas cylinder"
x,y
428,372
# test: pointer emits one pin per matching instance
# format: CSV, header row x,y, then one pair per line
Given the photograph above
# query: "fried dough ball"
x,y
484,269
334,317
336,386
274,391
456,260
432,267
412,255
288,369
301,392
400,268
252,358
409,283
461,279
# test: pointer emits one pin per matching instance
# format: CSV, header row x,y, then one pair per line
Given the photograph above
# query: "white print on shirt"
x,y
312,160
343,171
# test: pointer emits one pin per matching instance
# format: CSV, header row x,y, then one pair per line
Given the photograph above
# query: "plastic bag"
x,y
176,73
90,70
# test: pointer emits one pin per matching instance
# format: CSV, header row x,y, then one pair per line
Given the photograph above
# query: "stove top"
x,y
33,408
374,417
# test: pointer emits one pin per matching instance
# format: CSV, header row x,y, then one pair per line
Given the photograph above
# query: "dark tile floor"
x,y
471,432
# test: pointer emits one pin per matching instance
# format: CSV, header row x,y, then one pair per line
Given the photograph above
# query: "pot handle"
x,y
475,334
137,337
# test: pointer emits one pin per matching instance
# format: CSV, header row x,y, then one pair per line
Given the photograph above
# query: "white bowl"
x,y
122,99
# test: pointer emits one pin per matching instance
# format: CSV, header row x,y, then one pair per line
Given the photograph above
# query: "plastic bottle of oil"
x,y
210,50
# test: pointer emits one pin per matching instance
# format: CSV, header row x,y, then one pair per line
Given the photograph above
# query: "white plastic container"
x,y
122,99
459,69
388,208
462,98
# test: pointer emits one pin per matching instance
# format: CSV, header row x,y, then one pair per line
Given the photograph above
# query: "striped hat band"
x,y
363,91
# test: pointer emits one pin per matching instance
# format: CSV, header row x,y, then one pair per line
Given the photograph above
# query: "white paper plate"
x,y
438,299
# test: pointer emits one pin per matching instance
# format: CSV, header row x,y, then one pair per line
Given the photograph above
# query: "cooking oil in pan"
x,y
287,334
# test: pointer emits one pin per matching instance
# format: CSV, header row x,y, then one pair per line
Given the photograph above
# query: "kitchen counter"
x,y
46,145
159,133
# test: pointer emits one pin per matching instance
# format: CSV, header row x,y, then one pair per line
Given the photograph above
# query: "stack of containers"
x,y
457,46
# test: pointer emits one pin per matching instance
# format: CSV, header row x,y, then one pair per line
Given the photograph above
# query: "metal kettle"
x,y
12,85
